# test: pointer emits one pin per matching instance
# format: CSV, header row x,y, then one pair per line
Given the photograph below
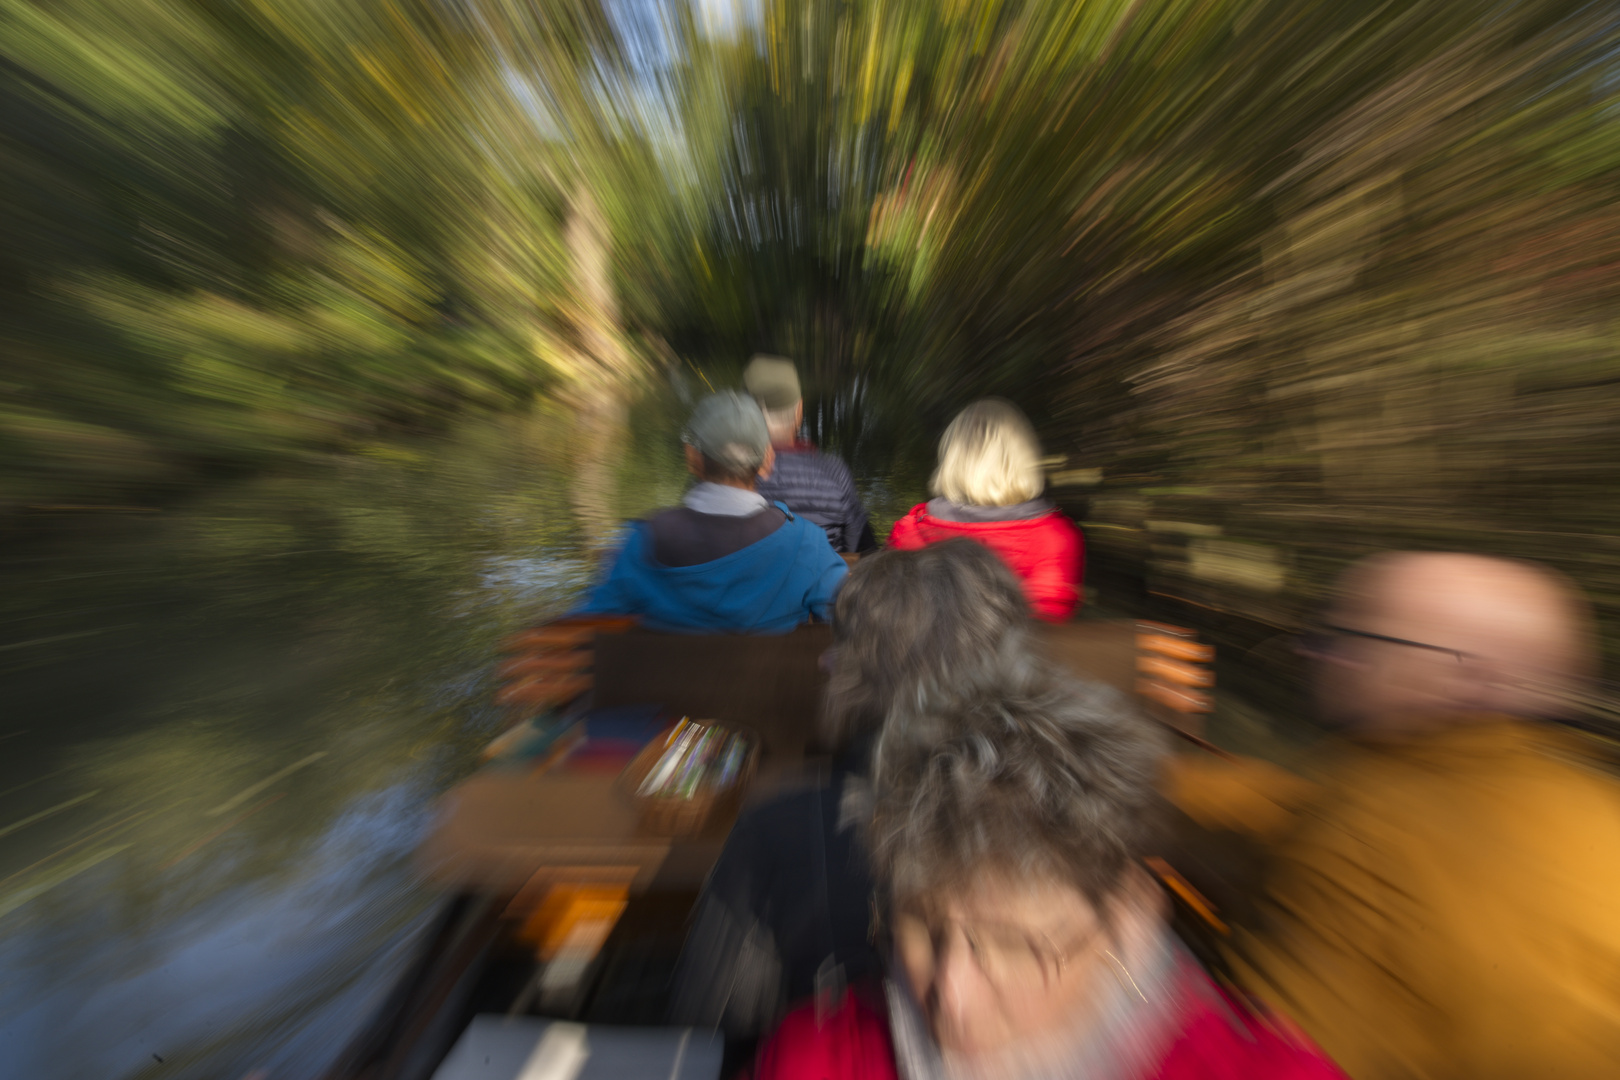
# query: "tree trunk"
x,y
603,369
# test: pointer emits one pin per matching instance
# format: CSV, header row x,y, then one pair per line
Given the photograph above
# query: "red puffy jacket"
x,y
1047,553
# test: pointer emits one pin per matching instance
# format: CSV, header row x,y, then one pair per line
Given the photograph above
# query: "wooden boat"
x,y
562,902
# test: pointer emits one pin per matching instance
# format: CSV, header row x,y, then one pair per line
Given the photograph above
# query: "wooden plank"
x,y
1175,672
769,685
1098,650
543,690
499,828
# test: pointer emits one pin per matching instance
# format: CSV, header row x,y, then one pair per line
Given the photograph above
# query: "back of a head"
x,y
1520,637
989,456
925,626
773,381
728,430
1059,784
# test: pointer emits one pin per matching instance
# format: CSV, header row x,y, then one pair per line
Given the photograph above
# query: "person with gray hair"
x,y
1028,940
921,627
811,483
726,560
788,906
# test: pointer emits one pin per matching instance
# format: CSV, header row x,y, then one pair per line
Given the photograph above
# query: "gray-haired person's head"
x,y
729,433
923,628
1057,785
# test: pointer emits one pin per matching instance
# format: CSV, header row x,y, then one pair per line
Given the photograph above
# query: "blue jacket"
x,y
768,587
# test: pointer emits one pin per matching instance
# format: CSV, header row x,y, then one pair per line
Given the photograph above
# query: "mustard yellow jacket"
x,y
1446,907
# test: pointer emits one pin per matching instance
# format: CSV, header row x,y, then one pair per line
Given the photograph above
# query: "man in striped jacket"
x,y
814,485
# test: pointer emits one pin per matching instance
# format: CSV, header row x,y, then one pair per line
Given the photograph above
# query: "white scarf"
x,y
724,501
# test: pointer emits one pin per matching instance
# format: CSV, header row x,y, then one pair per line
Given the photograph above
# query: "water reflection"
x,y
223,728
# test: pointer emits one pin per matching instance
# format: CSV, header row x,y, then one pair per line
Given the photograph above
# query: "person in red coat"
x,y
989,486
1028,941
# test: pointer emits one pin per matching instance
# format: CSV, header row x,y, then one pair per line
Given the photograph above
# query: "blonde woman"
x,y
988,487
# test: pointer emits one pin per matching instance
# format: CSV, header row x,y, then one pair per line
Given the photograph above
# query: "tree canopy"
x,y
1283,272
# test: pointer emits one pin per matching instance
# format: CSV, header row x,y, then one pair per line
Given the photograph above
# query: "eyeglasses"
x,y
1320,641
1010,957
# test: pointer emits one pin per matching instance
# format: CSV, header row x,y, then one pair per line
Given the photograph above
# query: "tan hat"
x,y
773,380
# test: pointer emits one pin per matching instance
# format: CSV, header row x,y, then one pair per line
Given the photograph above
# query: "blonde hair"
x,y
989,456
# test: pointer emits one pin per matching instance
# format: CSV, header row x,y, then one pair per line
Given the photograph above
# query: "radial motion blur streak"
x,y
1279,282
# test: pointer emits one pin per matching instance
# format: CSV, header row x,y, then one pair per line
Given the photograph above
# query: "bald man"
x,y
1446,904
1422,641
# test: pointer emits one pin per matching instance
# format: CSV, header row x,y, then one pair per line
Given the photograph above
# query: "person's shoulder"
x,y
790,519
906,532
655,524
913,517
1241,794
830,463
1550,795
852,1040
1501,767
1056,521
806,532
1220,1037
635,530
811,460
1055,531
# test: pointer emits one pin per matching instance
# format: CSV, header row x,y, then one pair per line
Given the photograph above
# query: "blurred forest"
x,y
1280,282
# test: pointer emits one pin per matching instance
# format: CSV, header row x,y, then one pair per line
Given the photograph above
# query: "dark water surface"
x,y
222,726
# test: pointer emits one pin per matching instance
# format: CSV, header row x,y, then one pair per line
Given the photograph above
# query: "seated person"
x,y
725,561
812,484
1028,941
788,906
989,486
1442,903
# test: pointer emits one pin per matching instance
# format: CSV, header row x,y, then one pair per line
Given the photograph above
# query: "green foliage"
x,y
1271,266
1317,278
251,232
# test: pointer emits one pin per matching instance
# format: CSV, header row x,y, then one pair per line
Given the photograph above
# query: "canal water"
x,y
223,725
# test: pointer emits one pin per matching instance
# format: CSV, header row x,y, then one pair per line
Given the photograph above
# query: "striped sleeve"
x,y
818,487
